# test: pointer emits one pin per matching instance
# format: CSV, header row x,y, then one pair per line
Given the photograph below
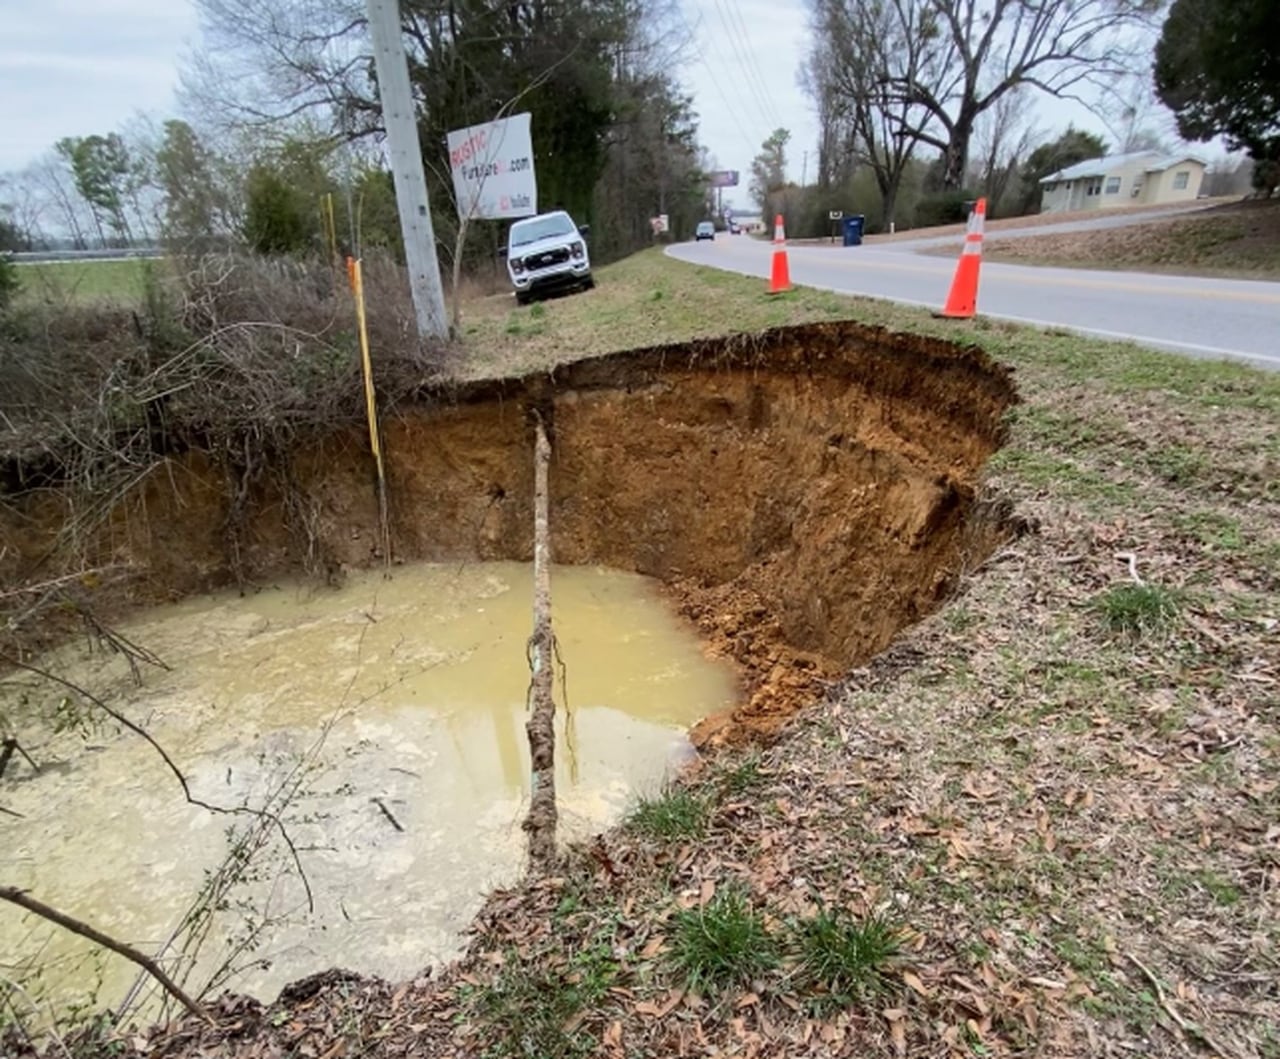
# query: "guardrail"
x,y
36,257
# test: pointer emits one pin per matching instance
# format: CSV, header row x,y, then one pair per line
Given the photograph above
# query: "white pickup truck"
x,y
547,252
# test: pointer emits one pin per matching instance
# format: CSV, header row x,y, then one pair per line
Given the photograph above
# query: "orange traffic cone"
x,y
780,276
962,302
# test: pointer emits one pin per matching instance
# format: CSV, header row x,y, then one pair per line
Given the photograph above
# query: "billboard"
x,y
492,167
724,178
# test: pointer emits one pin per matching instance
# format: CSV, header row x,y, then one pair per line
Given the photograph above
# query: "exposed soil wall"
x,y
804,493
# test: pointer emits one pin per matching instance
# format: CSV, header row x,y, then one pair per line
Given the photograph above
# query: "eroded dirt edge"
x,y
803,494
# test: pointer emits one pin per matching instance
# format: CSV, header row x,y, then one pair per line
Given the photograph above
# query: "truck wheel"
x,y
522,297
589,283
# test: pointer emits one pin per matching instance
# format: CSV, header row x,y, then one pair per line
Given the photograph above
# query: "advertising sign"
x,y
492,166
724,178
660,224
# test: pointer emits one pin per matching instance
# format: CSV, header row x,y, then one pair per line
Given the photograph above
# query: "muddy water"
x,y
397,706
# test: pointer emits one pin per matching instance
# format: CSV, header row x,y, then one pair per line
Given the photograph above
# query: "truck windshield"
x,y
541,228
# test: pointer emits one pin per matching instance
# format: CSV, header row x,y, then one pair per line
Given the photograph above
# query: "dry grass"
x,y
1068,822
1240,240
647,299
1038,220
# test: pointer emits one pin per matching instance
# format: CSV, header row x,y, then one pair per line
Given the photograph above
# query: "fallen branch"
x,y
1189,1028
540,824
9,747
387,813
138,730
19,897
1132,560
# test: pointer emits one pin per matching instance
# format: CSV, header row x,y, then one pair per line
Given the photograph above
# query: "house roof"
x,y
1100,167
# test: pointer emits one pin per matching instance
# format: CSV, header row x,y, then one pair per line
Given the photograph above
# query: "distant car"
x,y
705,230
733,228
546,253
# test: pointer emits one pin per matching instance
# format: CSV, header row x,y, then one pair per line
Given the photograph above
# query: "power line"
x,y
729,106
744,36
742,53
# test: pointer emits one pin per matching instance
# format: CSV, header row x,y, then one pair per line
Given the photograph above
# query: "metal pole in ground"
x,y
406,168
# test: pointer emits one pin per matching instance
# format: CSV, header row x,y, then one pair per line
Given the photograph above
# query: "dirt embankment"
x,y
1239,239
804,493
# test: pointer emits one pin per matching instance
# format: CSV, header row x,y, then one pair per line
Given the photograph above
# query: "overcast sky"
x,y
75,67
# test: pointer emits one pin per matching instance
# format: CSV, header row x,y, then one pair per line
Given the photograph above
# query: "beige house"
x,y
1146,178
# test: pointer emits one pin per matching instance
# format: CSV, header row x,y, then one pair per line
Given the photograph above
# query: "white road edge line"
x,y
1142,340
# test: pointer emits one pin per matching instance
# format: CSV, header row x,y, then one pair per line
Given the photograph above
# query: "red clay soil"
x,y
804,493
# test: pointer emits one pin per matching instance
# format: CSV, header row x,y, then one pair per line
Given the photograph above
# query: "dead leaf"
x,y
653,946
708,891
915,983
673,998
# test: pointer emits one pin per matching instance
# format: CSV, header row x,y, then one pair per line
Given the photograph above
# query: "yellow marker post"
x,y
371,402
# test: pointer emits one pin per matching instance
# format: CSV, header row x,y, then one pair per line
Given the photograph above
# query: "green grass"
x,y
843,957
742,776
83,282
725,943
533,1013
677,813
1138,610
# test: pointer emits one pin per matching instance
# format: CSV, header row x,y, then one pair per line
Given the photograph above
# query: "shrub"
x,y
943,207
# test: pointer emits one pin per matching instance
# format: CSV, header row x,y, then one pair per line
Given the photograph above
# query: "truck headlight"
x,y
576,250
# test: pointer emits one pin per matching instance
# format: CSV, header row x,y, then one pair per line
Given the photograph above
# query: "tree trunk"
x,y
541,821
890,196
955,159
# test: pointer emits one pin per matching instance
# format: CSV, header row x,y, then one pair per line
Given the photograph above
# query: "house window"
x,y
1181,180
1051,187
1095,188
1113,185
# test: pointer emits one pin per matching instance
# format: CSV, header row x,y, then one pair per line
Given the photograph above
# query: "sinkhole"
x,y
736,523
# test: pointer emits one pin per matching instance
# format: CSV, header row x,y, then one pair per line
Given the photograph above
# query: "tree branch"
x,y
19,897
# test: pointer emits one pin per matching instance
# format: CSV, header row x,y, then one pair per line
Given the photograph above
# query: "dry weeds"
x,y
1242,240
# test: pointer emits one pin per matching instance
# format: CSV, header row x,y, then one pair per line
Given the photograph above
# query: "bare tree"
x,y
61,208
971,53
1002,138
269,63
1135,118
859,49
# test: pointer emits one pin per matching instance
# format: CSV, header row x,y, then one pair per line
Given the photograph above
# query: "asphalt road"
x,y
1210,318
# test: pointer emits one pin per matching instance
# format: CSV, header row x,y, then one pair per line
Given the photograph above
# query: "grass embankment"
x,y
1033,220
1044,822
1240,240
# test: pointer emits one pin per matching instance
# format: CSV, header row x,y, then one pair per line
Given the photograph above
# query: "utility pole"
x,y
406,167
804,171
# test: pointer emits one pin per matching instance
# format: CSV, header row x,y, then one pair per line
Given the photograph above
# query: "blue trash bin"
x,y
853,230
